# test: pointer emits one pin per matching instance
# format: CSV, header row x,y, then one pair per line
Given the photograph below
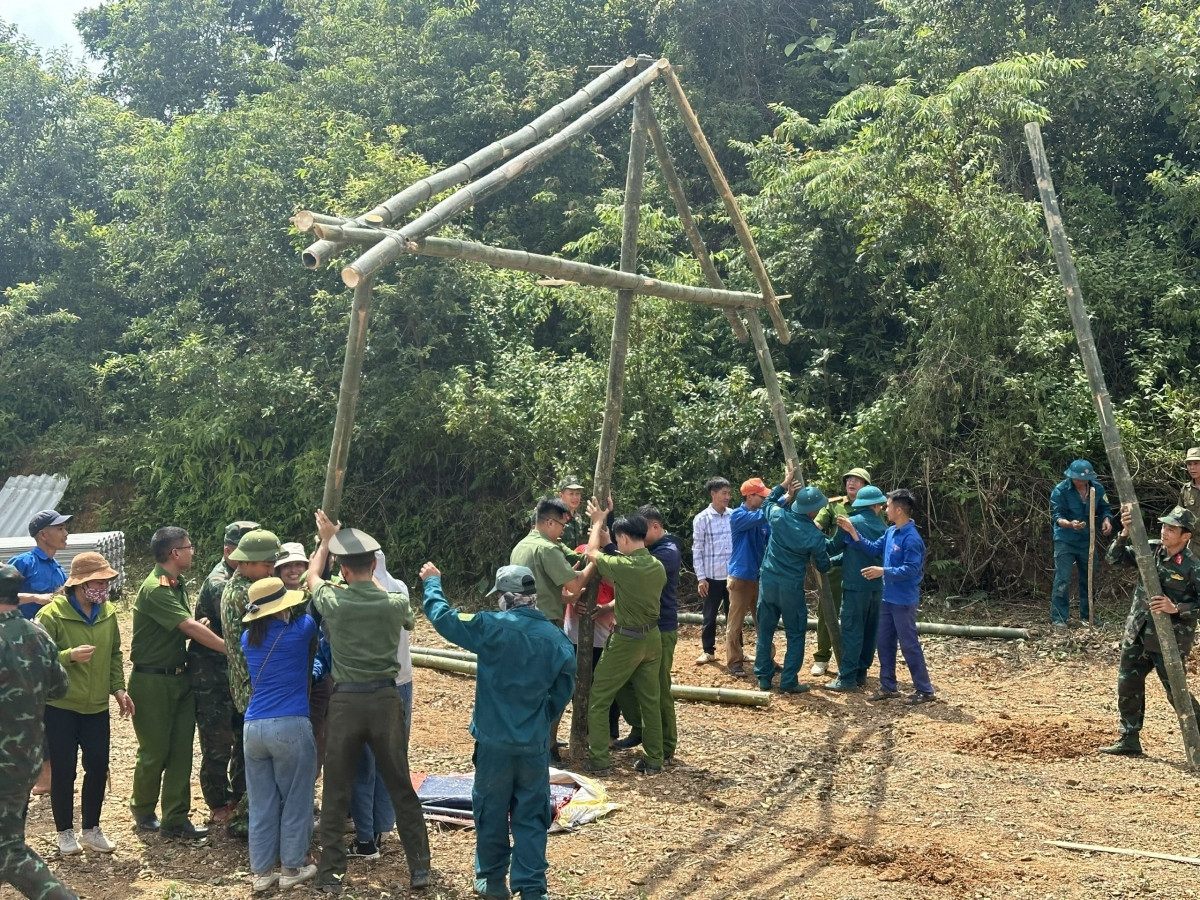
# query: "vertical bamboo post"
x,y
1176,675
1091,591
343,425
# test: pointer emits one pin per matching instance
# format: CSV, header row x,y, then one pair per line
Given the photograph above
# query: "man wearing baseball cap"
x,y
1179,575
222,762
749,531
570,492
526,678
1189,494
43,575
1073,536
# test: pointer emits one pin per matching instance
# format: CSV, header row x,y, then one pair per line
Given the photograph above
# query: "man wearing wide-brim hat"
x,y
1189,494
1179,575
1073,536
364,623
795,539
853,480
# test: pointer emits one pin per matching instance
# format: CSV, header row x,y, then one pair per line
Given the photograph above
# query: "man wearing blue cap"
x,y
1069,504
860,595
795,539
526,678
43,575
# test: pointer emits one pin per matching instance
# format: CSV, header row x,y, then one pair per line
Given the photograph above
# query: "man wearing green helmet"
x,y
861,596
1073,535
853,481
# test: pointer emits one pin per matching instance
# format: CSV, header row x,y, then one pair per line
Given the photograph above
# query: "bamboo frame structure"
x,y
343,425
1172,662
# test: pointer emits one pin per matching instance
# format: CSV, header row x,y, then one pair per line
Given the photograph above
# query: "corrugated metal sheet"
x,y
111,544
24,495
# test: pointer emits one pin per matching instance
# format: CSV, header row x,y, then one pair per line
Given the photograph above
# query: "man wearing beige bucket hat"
x,y
83,625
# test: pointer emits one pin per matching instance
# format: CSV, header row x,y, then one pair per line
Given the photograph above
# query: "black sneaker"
x,y
598,771
363,850
148,824
644,768
187,831
919,697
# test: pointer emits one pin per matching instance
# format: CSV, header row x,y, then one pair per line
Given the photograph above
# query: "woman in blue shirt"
x,y
281,754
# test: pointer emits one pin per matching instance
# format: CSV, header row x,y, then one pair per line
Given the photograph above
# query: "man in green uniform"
x,y
633,651
222,763
570,492
364,624
254,559
853,481
165,717
1179,575
1189,494
552,563
30,674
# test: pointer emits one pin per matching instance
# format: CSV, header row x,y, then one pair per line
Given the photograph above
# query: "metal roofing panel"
x,y
24,495
110,544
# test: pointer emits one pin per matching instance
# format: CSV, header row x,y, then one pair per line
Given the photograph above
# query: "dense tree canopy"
x,y
160,342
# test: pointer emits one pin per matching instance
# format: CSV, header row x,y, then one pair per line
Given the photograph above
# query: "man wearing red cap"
x,y
750,531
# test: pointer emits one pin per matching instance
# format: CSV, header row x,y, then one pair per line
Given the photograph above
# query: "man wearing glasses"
x,y
165,720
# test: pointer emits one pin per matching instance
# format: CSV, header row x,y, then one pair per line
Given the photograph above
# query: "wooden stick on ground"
x,y
1123,851
1168,646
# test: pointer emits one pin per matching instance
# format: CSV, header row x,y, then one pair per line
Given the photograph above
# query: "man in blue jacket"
x,y
525,678
749,531
903,566
860,595
1073,536
795,538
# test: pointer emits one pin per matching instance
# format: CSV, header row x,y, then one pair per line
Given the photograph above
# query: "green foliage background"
x,y
160,342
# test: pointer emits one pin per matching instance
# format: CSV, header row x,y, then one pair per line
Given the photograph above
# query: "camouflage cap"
x,y
11,580
1193,455
235,531
1180,518
570,483
352,542
257,546
514,580
808,500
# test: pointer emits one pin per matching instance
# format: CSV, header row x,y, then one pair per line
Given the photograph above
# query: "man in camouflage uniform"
x,y
1189,494
222,765
1179,573
575,532
30,674
254,558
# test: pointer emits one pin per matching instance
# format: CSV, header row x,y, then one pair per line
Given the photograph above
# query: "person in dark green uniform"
x,y
222,763
861,596
853,481
165,717
30,674
364,624
633,651
552,563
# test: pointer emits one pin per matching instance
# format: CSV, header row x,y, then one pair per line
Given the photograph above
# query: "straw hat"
x,y
90,566
268,597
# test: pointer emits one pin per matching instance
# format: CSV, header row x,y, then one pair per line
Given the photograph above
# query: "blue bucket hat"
x,y
808,500
1082,470
869,496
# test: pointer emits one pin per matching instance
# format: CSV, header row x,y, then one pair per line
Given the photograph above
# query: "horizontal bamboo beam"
x,y
464,664
971,631
319,253
735,213
444,653
388,251
584,273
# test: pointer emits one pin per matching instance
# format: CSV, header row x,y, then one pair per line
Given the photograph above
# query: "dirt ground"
x,y
820,795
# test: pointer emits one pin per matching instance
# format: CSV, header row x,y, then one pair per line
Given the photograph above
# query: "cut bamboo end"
x,y
351,277
303,221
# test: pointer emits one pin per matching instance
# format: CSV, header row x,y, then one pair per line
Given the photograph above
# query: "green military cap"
x,y
1193,455
869,496
513,580
1180,518
570,483
808,500
11,580
857,473
257,546
352,542
1080,470
235,531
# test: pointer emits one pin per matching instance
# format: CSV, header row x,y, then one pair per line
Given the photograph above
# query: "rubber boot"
x,y
1126,745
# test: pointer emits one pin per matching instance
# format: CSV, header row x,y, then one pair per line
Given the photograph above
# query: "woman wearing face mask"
x,y
84,626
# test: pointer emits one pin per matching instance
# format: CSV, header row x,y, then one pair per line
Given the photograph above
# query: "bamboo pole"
x,y
444,653
614,398
1176,675
343,425
690,228
424,659
393,208
1091,580
942,628
1123,851
735,214
388,251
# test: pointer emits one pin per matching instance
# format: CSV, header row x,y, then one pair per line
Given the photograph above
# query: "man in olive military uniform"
x,y
30,674
575,532
1189,494
364,624
254,559
635,647
1179,573
165,720
853,481
222,763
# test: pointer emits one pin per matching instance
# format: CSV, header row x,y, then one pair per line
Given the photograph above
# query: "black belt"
x,y
362,687
154,670
637,632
